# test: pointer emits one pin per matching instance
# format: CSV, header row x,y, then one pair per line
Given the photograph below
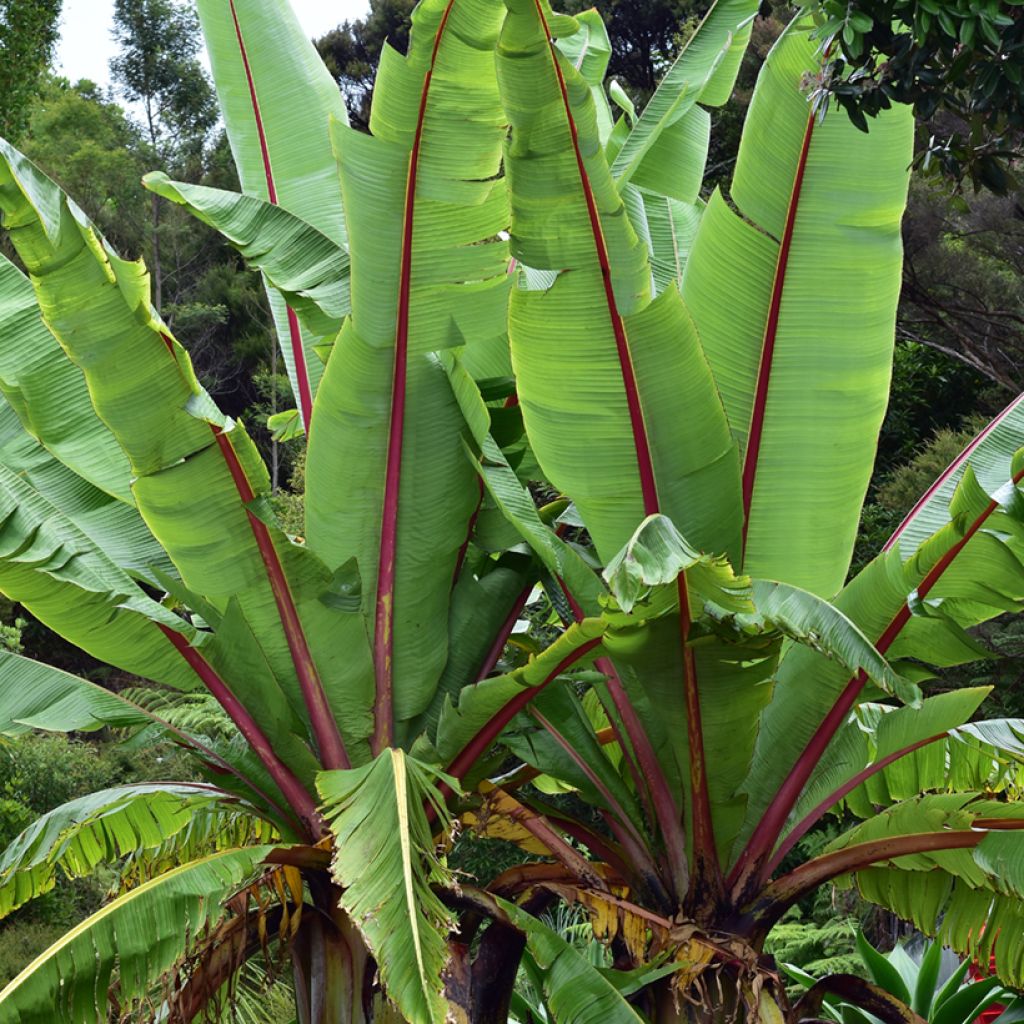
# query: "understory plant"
x,y
938,992
503,291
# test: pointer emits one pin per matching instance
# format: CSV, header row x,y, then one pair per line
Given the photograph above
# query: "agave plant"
x,y
503,285
922,982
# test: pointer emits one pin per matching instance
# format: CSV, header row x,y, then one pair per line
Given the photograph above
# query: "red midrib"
x,y
703,828
295,334
774,819
645,465
771,330
325,728
949,471
476,747
291,788
384,612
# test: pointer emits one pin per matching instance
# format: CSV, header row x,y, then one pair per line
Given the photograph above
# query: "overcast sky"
x,y
86,47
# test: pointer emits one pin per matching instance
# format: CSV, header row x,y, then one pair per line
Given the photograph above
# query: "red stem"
x,y
295,334
286,780
751,861
618,811
786,890
668,813
645,464
950,470
325,728
707,869
652,780
384,624
812,817
757,412
504,633
212,758
479,744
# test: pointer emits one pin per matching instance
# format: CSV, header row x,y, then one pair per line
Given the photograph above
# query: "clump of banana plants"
x,y
509,287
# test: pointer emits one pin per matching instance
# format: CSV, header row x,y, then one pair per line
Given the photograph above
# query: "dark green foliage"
x,y
646,35
28,33
351,51
959,62
158,68
819,946
87,144
963,282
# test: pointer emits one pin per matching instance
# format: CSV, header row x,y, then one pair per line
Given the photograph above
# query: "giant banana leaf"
x,y
989,455
198,476
38,696
967,894
914,605
388,480
102,828
704,71
277,100
309,269
620,379
139,936
384,860
114,526
49,393
803,350
51,567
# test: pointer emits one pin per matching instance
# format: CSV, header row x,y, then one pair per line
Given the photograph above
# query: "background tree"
x,y
158,69
28,33
352,51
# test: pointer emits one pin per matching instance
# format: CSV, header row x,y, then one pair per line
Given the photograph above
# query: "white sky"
x,y
86,47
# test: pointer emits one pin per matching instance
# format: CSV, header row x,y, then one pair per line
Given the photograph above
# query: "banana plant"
x,y
502,291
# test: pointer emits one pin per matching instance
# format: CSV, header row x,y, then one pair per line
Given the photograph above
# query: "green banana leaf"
x,y
308,269
618,380
915,609
105,827
387,477
575,990
814,234
38,696
704,71
52,568
141,935
384,860
113,525
198,475
969,898
49,394
876,731
672,227
277,100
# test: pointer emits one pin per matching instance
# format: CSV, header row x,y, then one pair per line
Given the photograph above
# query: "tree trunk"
x,y
330,964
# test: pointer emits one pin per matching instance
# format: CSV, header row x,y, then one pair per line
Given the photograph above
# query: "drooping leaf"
x,y
198,475
576,991
308,269
102,828
49,393
37,696
385,861
914,608
140,935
